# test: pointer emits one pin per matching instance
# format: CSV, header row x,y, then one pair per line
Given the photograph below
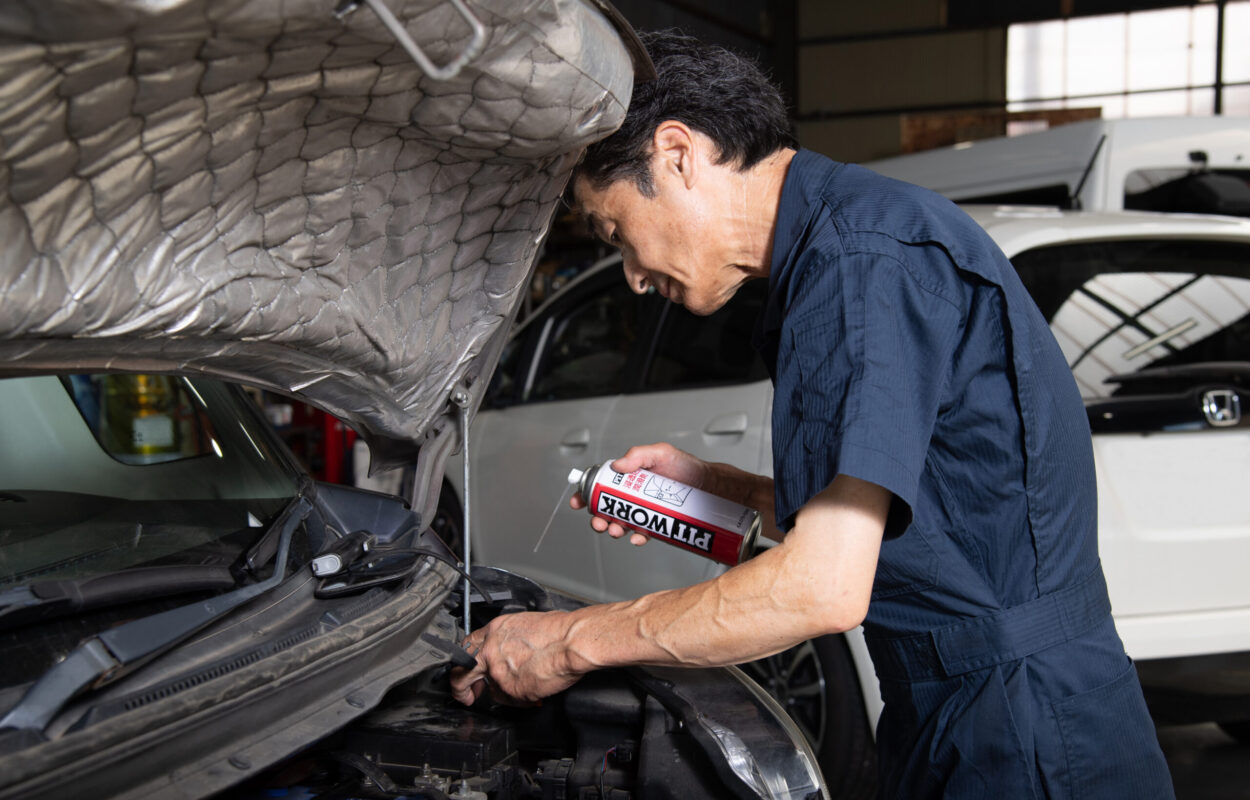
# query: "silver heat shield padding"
x,y
276,194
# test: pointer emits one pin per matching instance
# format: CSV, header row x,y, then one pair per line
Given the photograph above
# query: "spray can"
x,y
671,512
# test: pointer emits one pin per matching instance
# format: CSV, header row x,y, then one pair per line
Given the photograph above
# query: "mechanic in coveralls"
x,y
933,465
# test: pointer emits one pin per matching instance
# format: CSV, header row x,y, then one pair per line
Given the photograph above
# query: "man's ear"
x,y
676,150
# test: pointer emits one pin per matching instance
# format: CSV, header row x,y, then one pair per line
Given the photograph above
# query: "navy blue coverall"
x,y
905,352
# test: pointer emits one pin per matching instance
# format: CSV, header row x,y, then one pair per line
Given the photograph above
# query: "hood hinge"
x,y
397,30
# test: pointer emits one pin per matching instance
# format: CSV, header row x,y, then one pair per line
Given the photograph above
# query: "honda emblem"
x,y
1222,407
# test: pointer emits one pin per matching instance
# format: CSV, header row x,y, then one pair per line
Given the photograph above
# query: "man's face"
x,y
671,241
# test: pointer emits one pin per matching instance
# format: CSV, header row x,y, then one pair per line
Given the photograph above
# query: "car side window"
x,y
707,351
587,344
507,375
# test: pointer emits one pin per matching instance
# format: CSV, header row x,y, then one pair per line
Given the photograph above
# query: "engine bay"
x,y
607,737
603,738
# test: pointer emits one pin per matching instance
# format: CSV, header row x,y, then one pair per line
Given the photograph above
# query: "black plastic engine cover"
x,y
422,730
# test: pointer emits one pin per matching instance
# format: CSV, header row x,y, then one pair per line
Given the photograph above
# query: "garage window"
x,y
1163,62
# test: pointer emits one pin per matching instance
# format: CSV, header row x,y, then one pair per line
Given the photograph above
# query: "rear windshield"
x,y
1121,307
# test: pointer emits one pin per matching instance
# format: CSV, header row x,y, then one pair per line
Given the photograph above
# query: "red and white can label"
x,y
681,515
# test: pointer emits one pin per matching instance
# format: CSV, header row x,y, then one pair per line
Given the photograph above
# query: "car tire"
x,y
816,683
1239,730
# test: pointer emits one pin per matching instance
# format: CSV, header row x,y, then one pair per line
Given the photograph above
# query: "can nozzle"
x,y
575,476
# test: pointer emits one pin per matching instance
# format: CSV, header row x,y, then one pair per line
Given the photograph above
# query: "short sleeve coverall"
x,y
905,352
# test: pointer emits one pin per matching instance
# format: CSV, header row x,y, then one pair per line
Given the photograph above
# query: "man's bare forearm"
x,y
816,582
733,618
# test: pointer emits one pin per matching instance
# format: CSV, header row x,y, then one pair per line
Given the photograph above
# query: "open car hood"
x,y
279,195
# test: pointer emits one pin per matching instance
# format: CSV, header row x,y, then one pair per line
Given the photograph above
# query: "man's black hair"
x,y
718,93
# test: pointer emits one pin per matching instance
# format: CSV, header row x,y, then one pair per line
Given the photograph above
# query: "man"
x,y
933,468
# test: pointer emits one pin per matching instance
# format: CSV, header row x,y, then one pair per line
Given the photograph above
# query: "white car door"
x,y
705,390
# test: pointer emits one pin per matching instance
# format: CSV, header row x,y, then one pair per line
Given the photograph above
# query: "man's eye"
x,y
613,238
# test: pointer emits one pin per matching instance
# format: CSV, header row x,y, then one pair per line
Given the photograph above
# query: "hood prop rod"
x,y
460,398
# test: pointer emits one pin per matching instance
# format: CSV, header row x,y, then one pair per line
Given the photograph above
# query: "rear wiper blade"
x,y
117,652
1202,369
45,600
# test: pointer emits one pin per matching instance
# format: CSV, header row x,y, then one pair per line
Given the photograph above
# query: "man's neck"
x,y
754,204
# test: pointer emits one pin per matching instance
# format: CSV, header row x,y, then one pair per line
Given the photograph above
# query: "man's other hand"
x,y
662,459
521,658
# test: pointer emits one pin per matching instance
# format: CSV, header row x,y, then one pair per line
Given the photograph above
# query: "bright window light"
x,y
1036,60
1145,63
1237,29
1096,62
1237,101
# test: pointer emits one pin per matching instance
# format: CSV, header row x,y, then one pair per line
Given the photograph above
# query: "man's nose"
x,y
635,276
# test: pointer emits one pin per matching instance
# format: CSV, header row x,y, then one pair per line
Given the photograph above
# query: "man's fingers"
x,y
467,685
638,540
474,691
638,457
663,459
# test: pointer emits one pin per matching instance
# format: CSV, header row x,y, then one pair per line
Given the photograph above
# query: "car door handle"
x,y
727,425
576,439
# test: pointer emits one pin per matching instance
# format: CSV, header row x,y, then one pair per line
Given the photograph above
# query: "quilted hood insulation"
x,y
278,195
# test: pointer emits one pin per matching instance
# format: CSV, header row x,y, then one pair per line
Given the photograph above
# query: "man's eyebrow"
x,y
596,226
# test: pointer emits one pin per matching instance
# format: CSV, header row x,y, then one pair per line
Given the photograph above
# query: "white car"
x,y
1175,164
1153,313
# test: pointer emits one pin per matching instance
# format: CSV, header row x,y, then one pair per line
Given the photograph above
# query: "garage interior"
x,y
937,73
928,73
226,206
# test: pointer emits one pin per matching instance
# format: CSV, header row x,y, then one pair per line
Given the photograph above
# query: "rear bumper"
x,y
1166,636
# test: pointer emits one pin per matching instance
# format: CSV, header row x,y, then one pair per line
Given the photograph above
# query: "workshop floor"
x,y
1206,763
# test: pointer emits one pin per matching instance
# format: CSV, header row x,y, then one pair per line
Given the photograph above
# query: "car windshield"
x,y
104,473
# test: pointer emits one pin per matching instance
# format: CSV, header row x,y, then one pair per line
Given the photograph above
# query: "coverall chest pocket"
x,y
823,395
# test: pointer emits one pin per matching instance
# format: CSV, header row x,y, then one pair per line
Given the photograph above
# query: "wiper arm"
x,y
108,656
262,549
49,599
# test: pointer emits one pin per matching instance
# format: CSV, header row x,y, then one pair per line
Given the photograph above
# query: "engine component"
x,y
409,740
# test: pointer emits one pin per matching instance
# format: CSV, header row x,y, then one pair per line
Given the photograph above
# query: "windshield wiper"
x,y
49,599
117,652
